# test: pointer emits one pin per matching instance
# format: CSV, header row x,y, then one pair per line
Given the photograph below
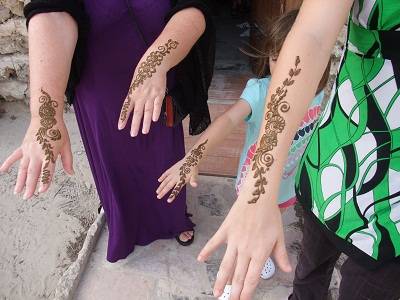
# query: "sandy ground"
x,y
41,237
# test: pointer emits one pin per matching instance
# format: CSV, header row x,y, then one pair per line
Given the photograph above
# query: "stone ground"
x,y
165,270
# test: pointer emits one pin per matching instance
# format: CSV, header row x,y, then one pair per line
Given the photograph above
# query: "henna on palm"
x,y
145,71
46,133
190,162
275,124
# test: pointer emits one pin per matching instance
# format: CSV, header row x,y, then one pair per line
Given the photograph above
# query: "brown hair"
x,y
273,43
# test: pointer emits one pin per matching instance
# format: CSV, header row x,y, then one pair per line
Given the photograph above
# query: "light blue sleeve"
x,y
254,94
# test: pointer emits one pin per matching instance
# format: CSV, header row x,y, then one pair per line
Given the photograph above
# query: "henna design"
x,y
46,132
146,70
191,161
275,124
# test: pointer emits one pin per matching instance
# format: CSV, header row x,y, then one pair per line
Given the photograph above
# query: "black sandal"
x,y
185,243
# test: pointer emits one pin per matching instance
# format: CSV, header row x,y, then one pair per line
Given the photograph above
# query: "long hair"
x,y
272,44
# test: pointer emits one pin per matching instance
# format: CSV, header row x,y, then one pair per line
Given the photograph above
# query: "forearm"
x,y
52,41
293,86
222,127
219,129
183,29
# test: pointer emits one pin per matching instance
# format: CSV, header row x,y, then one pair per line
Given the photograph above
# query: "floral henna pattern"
x,y
146,70
275,124
47,133
191,161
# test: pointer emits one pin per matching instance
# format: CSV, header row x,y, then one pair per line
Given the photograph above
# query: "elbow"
x,y
196,19
55,20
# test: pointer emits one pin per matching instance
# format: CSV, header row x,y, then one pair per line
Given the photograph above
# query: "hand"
x,y
33,159
252,233
145,100
170,179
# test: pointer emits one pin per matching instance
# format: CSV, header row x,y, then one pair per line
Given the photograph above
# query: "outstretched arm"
x,y
52,40
253,228
185,170
147,90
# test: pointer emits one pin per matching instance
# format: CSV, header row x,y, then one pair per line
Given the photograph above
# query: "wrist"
x,y
46,105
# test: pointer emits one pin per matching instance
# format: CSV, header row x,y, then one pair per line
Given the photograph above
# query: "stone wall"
x,y
13,51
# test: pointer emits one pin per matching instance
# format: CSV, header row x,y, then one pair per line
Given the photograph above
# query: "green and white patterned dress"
x,y
349,176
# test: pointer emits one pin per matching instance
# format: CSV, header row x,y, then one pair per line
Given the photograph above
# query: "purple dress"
x,y
126,169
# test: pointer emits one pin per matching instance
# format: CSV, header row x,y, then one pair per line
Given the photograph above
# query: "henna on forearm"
x,y
145,71
47,132
275,124
191,161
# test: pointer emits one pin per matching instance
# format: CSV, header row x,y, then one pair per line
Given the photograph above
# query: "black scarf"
x,y
194,73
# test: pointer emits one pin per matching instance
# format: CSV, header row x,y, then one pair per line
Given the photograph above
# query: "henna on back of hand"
x,y
146,70
47,133
191,161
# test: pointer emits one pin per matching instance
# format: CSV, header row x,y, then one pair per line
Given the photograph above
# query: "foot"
x,y
269,269
186,238
227,293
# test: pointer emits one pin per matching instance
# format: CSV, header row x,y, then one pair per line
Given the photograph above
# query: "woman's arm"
x,y
148,87
253,228
52,40
185,170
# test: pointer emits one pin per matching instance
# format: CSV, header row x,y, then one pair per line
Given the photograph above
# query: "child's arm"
x,y
185,170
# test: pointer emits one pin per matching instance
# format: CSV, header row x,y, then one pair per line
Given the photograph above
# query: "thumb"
x,y
213,244
193,178
281,256
67,160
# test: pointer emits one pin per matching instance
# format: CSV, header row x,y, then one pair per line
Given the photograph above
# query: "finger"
x,y
126,110
163,176
175,192
67,159
158,102
280,254
212,245
16,155
148,112
136,119
193,179
163,184
225,271
252,278
47,174
21,177
169,186
242,265
35,165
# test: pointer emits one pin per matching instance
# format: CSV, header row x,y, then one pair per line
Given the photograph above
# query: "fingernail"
x,y
25,197
15,192
217,292
40,189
